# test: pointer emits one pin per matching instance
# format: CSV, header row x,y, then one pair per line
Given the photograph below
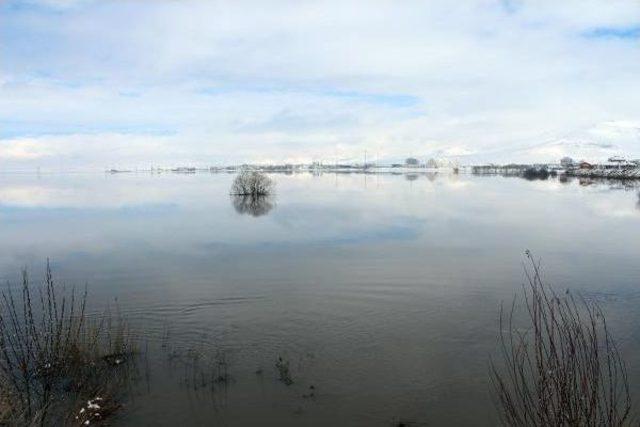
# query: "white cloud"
x,y
234,81
24,149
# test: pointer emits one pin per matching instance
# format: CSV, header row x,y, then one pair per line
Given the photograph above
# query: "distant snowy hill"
x,y
579,150
595,144
608,139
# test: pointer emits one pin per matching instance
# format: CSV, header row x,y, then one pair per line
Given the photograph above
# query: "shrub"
x,y
532,173
564,368
54,359
252,183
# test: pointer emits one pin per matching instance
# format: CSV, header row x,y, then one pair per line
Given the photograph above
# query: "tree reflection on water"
x,y
253,205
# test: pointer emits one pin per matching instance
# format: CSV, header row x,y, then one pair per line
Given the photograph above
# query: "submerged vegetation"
x,y
201,370
562,367
284,373
58,366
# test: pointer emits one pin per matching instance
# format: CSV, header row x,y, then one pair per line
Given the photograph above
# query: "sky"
x,y
88,84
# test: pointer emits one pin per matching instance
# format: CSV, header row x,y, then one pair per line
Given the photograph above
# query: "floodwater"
x,y
380,291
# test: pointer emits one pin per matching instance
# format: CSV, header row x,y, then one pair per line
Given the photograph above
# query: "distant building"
x,y
585,165
617,159
567,162
617,162
412,162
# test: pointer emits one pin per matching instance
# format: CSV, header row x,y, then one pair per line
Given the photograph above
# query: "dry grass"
x,y
54,359
563,368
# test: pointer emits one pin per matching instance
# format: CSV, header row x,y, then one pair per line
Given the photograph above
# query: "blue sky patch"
x,y
631,32
394,100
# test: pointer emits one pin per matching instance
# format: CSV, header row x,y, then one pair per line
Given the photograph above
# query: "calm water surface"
x,y
381,291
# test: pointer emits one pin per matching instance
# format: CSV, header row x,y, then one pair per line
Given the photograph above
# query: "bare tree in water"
x,y
563,368
252,183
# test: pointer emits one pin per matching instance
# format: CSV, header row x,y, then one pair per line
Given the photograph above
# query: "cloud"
x,y
88,150
620,130
238,81
26,149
